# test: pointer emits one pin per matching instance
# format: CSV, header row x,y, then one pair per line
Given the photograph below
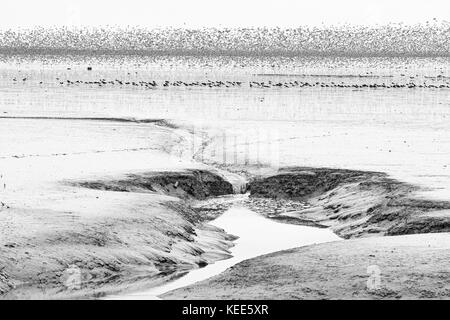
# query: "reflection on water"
x,y
402,131
257,236
46,85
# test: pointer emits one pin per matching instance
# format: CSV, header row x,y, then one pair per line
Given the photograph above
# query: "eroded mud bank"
x,y
148,235
155,228
353,203
367,206
189,184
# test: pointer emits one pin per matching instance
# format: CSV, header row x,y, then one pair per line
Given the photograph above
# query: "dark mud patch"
x,y
305,183
353,203
189,184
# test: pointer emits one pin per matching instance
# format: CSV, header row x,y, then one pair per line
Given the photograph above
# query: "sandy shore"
x,y
411,267
112,195
354,204
127,220
123,221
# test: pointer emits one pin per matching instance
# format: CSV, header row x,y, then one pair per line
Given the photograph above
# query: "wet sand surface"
x,y
401,267
116,239
256,236
400,131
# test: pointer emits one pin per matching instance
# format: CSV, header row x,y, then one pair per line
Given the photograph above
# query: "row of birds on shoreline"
x,y
251,84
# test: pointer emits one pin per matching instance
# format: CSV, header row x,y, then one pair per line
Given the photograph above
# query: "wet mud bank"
x,y
150,232
155,229
256,236
403,267
404,238
188,184
352,203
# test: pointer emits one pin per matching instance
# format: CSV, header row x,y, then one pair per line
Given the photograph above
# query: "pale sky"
x,y
217,13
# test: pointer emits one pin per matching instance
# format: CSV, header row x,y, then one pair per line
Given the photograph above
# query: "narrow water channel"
x,y
257,236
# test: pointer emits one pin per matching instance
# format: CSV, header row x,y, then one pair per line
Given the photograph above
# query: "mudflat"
x,y
101,170
365,207
122,221
394,267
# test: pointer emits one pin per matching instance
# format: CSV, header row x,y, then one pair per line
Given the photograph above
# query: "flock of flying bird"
x,y
393,39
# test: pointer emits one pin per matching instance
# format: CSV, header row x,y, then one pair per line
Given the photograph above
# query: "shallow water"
x,y
401,131
257,236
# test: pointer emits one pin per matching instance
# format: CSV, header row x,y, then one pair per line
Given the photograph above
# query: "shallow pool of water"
x,y
257,236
